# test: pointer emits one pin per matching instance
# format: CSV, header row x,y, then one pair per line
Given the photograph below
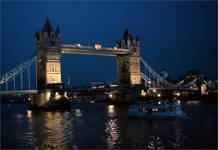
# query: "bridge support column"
x,y
41,99
50,99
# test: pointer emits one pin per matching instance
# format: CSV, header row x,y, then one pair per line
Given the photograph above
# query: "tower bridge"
x,y
48,50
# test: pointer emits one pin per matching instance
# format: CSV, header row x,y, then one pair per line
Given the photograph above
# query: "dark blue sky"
x,y
175,36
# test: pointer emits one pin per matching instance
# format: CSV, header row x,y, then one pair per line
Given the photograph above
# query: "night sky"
x,y
174,36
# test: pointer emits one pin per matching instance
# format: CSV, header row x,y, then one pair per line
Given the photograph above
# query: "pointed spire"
x,y
126,33
47,26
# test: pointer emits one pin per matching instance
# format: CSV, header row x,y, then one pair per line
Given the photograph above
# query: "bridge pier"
x,y
50,99
41,99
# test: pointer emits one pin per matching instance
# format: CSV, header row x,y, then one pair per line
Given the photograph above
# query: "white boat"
x,y
158,109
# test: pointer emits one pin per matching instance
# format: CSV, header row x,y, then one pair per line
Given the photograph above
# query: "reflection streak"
x,y
112,128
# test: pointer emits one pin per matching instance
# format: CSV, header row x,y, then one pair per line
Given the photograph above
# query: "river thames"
x,y
101,126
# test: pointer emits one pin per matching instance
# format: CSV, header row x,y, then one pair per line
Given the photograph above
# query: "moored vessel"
x,y
157,109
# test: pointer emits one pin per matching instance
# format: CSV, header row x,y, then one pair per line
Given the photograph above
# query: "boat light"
x,y
154,90
159,103
158,95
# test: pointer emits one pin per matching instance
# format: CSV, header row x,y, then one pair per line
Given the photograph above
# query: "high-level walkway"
x,y
91,50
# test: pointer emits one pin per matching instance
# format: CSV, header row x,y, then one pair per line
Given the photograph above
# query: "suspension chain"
x,y
14,72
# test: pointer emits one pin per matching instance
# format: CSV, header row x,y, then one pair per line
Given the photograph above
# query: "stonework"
x,y
122,69
128,69
53,68
134,69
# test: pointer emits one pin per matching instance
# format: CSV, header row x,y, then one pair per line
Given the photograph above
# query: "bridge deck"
x,y
174,89
93,51
18,92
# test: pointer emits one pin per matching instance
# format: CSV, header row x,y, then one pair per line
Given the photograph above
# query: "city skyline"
x,y
183,35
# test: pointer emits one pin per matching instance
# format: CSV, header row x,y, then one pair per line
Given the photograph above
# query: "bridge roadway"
x,y
90,89
91,50
173,89
18,92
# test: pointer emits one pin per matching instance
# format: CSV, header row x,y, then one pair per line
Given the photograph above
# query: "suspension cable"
x,y
14,72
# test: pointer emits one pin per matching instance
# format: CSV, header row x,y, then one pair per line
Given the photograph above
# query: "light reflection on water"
x,y
111,128
111,110
177,139
78,113
52,131
29,114
104,126
155,143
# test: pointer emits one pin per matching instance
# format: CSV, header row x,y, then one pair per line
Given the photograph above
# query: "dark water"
x,y
106,126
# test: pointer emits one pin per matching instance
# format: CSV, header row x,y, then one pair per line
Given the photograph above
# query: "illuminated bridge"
x,y
132,69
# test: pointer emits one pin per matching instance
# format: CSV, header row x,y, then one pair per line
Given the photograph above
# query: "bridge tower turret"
x,y
48,53
128,66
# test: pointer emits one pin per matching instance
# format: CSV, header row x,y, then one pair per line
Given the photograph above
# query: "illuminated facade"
x,y
53,67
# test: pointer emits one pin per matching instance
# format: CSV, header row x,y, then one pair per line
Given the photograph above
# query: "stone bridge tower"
x,y
48,66
128,66
48,53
